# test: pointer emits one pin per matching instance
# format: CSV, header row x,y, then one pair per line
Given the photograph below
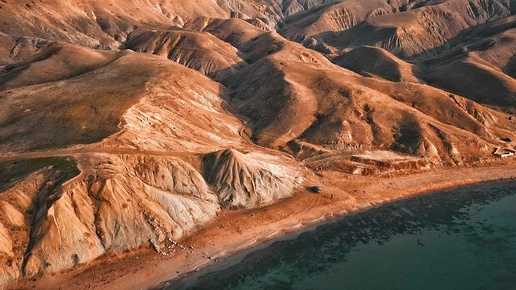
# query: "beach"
x,y
235,231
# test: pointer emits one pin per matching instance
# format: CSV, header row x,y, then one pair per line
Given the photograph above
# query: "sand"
x,y
232,232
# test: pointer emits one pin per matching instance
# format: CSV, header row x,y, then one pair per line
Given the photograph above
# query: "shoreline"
x,y
253,229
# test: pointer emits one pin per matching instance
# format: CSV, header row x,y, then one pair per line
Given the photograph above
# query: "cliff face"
x,y
131,124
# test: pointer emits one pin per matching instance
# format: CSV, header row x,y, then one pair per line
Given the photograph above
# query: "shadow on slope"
x,y
61,112
248,180
289,95
377,62
200,51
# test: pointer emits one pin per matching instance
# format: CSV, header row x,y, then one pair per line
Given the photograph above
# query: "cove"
x,y
461,238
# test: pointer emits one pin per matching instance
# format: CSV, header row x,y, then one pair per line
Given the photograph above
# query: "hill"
x,y
131,124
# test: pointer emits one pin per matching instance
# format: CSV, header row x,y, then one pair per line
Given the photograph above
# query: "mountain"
x,y
131,124
377,62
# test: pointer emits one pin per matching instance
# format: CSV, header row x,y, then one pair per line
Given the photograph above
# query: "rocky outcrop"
x,y
248,180
116,203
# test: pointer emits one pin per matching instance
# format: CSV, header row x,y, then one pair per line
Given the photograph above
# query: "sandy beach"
x,y
232,232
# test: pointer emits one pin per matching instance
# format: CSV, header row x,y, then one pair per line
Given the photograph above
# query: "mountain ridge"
x,y
126,125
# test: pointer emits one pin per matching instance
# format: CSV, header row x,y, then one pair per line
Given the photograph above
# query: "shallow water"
x,y
462,238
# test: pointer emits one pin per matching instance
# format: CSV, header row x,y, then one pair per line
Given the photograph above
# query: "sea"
x,y
461,238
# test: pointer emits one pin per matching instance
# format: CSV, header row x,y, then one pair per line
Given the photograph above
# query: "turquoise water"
x,y
463,238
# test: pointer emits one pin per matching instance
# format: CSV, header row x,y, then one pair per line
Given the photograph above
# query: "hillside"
x,y
132,124
377,62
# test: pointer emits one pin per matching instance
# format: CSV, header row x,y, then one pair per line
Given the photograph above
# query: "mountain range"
x,y
127,124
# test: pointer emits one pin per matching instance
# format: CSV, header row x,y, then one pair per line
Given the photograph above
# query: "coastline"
x,y
244,230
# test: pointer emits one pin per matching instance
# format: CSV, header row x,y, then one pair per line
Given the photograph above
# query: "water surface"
x,y
462,238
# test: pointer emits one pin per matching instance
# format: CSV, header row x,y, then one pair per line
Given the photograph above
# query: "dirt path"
x,y
81,151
